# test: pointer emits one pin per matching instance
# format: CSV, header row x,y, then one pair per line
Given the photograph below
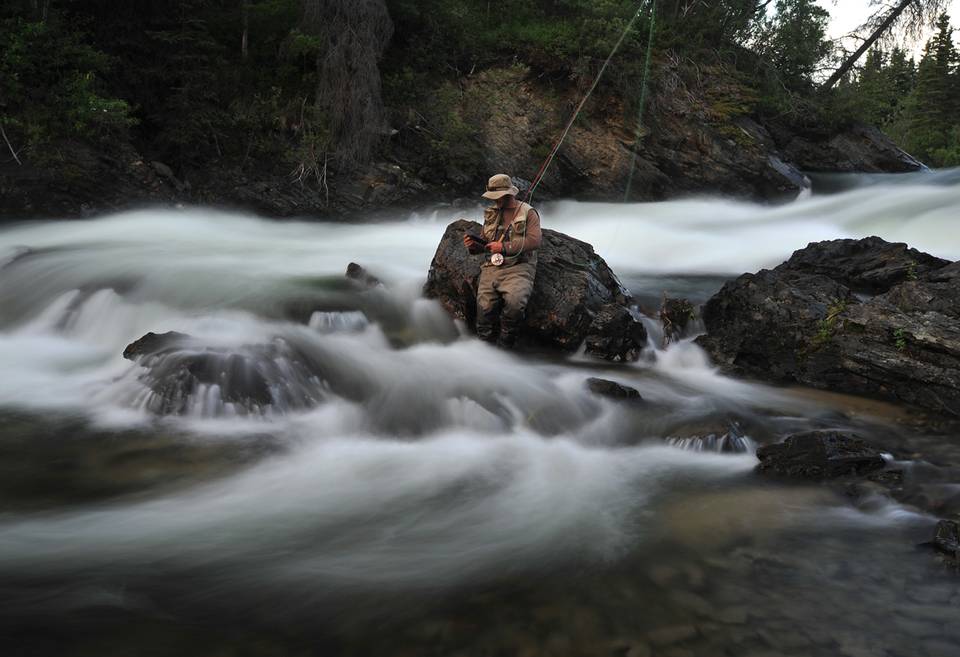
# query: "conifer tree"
x,y
931,113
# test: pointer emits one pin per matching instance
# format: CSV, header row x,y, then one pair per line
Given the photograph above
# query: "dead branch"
x,y
9,145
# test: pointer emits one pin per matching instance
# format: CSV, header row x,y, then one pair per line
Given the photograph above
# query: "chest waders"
x,y
504,289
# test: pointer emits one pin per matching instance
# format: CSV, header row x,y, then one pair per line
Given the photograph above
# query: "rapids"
x,y
456,496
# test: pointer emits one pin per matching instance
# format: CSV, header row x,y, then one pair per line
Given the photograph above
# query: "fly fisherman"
x,y
510,239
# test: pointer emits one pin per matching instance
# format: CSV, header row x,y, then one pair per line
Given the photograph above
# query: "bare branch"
x,y
12,152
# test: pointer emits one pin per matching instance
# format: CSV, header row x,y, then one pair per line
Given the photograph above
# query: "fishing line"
x,y
528,195
643,98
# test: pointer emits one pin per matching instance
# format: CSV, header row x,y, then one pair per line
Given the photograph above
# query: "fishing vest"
x,y
493,231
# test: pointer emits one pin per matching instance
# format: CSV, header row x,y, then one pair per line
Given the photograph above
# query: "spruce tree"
x,y
931,113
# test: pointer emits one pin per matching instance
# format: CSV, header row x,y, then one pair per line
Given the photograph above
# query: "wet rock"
x,y
731,615
675,315
692,602
154,343
667,636
615,334
77,179
576,297
679,652
630,648
664,576
819,455
946,538
730,441
857,316
361,276
182,377
613,390
858,148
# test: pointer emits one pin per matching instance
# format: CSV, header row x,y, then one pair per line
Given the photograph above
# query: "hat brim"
x,y
493,196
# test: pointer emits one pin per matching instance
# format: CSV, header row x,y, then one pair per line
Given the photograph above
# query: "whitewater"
x,y
448,468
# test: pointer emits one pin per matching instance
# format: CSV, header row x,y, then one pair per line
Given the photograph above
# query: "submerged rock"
x,y
820,455
857,316
576,297
613,390
361,276
731,440
154,343
946,539
182,377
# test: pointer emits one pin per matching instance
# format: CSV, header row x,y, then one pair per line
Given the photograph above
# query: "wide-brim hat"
x,y
499,186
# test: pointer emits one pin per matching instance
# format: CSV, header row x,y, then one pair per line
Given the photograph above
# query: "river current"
x,y
461,500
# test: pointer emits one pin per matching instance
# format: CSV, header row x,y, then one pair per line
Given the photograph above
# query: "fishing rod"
x,y
538,178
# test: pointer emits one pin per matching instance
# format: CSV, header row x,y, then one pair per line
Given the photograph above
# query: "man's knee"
x,y
515,306
516,295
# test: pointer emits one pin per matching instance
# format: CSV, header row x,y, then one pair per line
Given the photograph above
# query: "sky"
x,y
846,15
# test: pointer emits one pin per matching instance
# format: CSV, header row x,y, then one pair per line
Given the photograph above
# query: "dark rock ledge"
x,y
857,316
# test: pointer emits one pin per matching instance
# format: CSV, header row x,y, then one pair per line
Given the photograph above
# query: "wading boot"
x,y
509,329
487,326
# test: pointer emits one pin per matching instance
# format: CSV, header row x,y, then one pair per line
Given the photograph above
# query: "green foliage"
x,y
794,41
912,271
900,339
827,327
454,139
51,87
170,75
918,105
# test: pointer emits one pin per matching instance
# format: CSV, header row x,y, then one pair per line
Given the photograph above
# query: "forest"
x,y
311,88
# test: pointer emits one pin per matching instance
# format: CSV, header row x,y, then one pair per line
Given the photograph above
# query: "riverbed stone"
x,y
667,636
946,538
730,615
692,602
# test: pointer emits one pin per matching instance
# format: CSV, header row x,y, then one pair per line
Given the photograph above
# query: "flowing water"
x,y
429,494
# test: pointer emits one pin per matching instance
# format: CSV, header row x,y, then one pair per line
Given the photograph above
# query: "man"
x,y
510,239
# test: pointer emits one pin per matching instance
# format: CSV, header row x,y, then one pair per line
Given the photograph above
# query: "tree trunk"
x,y
877,33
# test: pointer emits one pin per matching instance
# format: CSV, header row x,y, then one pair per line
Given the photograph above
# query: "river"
x,y
463,500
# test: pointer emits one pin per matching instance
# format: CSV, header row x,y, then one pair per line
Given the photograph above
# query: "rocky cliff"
x,y
700,135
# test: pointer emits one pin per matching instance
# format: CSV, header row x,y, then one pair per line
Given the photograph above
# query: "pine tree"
x,y
931,112
798,40
901,74
873,88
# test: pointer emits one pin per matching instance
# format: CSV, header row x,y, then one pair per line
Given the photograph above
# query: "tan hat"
x,y
500,185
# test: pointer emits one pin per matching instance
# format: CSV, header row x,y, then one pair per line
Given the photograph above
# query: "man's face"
x,y
504,201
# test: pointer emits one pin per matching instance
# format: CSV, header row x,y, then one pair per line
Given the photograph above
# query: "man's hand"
x,y
495,247
473,246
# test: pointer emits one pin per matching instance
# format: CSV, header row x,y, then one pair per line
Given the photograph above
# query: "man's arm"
x,y
531,239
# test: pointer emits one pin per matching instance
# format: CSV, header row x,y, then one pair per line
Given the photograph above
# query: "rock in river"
x,y
857,316
576,298
182,376
820,455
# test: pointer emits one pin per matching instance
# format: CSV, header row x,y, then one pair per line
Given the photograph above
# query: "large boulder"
x,y
858,316
576,297
820,455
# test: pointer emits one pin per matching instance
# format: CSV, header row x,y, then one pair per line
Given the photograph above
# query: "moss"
x,y
827,327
